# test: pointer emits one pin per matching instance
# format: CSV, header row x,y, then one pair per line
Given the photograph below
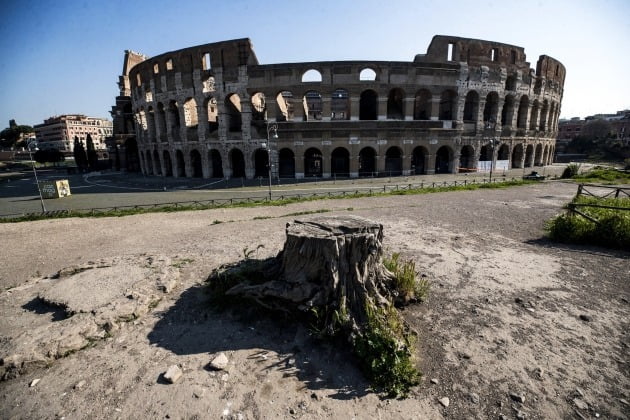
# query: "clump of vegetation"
x,y
603,175
571,170
407,284
609,227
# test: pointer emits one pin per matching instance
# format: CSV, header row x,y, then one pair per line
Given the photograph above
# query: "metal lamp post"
x,y
490,125
271,128
29,145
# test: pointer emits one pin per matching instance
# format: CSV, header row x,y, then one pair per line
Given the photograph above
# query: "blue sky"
x,y
65,56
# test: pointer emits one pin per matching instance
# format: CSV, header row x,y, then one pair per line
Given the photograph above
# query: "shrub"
x,y
571,170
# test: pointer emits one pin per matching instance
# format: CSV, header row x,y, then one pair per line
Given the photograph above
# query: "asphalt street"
x,y
19,193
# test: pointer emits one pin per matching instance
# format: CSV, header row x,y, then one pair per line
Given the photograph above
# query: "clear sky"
x,y
65,56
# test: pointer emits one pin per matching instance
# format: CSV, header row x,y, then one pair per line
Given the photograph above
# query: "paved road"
x,y
20,194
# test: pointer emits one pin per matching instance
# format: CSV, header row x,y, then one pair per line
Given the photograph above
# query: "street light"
x,y
29,145
490,126
271,128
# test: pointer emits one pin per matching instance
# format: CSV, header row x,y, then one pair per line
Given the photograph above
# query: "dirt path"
x,y
508,313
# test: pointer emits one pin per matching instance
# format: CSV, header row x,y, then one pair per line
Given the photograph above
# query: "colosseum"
x,y
213,111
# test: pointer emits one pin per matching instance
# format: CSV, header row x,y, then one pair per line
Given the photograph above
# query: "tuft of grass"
x,y
612,229
604,175
182,262
406,282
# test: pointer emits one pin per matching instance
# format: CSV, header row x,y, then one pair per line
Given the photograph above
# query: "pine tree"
x,y
92,158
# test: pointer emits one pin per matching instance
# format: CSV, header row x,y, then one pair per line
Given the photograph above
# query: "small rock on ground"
x,y
474,398
173,374
445,401
220,362
34,382
517,397
80,384
581,404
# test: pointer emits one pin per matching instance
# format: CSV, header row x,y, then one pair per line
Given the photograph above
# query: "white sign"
x,y
499,165
381,142
326,142
407,141
354,140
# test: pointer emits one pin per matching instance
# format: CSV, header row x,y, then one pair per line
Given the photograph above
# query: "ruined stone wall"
x,y
205,111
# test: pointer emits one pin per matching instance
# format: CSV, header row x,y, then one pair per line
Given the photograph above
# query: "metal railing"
x,y
613,192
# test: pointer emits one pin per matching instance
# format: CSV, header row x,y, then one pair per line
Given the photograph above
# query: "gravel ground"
x,y
514,325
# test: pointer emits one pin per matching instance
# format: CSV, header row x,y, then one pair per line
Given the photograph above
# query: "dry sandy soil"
x,y
514,325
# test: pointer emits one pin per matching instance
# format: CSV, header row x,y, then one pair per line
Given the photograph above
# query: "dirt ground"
x,y
514,326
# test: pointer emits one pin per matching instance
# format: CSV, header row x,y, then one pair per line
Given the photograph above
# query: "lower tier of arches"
x,y
356,160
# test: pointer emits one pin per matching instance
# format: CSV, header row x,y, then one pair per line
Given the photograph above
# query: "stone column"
x,y
298,109
354,107
435,107
299,162
382,108
409,104
326,109
206,170
202,119
480,125
455,161
429,163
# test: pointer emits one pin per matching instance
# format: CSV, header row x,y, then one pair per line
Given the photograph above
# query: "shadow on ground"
x,y
193,326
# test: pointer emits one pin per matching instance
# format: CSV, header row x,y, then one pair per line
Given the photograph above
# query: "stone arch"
x,y
284,106
190,113
259,106
523,110
471,106
340,105
151,124
491,108
233,112
340,162
396,104
394,161
422,105
311,76
538,155
286,163
237,162
533,118
161,118
418,159
180,164
367,161
443,159
510,82
507,112
261,163
504,152
367,74
168,165
214,157
213,114
313,106
467,159
529,156
156,161
448,103
545,155
542,126
173,109
313,163
485,153
195,164
552,110
517,156
368,105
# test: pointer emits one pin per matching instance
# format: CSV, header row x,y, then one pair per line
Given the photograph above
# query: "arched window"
x,y
517,156
367,74
340,105
259,107
311,76
313,106
181,164
367,162
195,163
523,109
233,108
285,106
393,161
396,104
313,165
340,162
417,161
237,162
422,105
471,106
467,159
286,163
261,163
507,113
368,105
168,165
491,108
447,105
443,160
533,118
216,168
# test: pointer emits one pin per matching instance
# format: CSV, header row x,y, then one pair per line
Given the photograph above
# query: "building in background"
x,y
59,132
572,128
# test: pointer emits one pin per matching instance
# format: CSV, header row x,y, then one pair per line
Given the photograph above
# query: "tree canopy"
x,y
10,136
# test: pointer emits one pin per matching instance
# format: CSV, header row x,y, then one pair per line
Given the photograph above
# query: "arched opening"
x,y
284,111
504,152
543,116
443,160
311,76
491,108
312,106
367,162
340,162
517,156
552,111
132,156
259,107
422,105
313,165
181,164
510,83
467,159
523,109
237,162
448,102
190,113
471,106
213,115
396,104
261,163
533,119
195,164
340,105
529,156
507,113
173,110
417,160
393,161
368,105
485,154
156,161
367,74
151,124
148,162
286,163
161,119
216,162
545,155
233,114
538,155
168,165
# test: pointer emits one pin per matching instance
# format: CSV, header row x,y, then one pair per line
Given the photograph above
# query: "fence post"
x,y
579,191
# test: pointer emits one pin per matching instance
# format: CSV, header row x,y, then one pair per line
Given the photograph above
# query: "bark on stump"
x,y
331,262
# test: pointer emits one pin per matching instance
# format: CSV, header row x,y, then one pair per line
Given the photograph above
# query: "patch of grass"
x,y
405,277
604,175
302,213
261,217
612,231
259,203
182,262
216,222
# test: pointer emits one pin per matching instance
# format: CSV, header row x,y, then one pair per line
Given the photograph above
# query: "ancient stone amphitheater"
x,y
213,111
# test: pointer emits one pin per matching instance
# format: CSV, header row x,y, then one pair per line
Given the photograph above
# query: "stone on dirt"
x,y
517,397
582,405
80,384
173,374
34,382
220,362
474,398
445,401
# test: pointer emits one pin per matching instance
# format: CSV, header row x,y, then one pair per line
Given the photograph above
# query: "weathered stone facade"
x,y
207,111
